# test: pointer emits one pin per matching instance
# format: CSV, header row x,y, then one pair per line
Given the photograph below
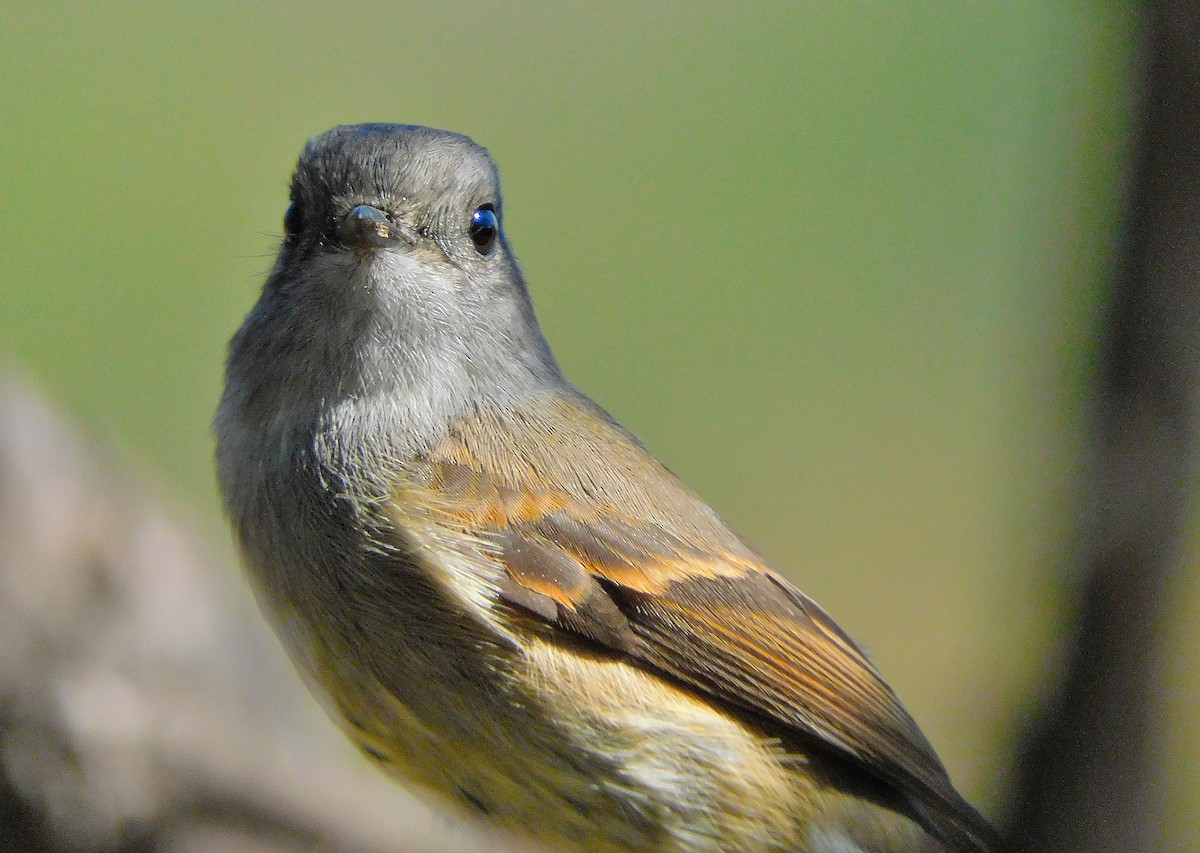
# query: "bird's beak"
x,y
369,227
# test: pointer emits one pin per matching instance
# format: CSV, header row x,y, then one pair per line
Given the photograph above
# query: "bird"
x,y
498,593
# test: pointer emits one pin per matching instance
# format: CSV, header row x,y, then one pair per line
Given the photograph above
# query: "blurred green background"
x,y
839,265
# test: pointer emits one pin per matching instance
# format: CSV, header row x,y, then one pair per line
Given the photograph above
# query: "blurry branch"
x,y
143,706
1090,777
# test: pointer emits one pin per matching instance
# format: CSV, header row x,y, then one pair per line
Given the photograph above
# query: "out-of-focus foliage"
x,y
839,266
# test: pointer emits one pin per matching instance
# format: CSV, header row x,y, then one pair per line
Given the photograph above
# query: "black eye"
x,y
485,229
293,221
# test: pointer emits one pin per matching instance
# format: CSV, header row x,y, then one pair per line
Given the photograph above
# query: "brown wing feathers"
x,y
563,591
711,619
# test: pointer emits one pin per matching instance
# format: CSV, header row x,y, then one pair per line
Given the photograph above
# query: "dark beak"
x,y
370,227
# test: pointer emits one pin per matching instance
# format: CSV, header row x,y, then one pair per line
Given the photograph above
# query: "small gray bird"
x,y
494,588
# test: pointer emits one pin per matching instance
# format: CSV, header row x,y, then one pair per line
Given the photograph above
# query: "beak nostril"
x,y
369,226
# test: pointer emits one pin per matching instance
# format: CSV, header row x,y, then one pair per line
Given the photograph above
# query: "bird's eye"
x,y
485,229
293,220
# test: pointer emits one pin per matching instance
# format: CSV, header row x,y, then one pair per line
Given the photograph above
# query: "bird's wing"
x,y
715,618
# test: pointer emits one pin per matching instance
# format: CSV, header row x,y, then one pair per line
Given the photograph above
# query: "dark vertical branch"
x,y
1090,778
